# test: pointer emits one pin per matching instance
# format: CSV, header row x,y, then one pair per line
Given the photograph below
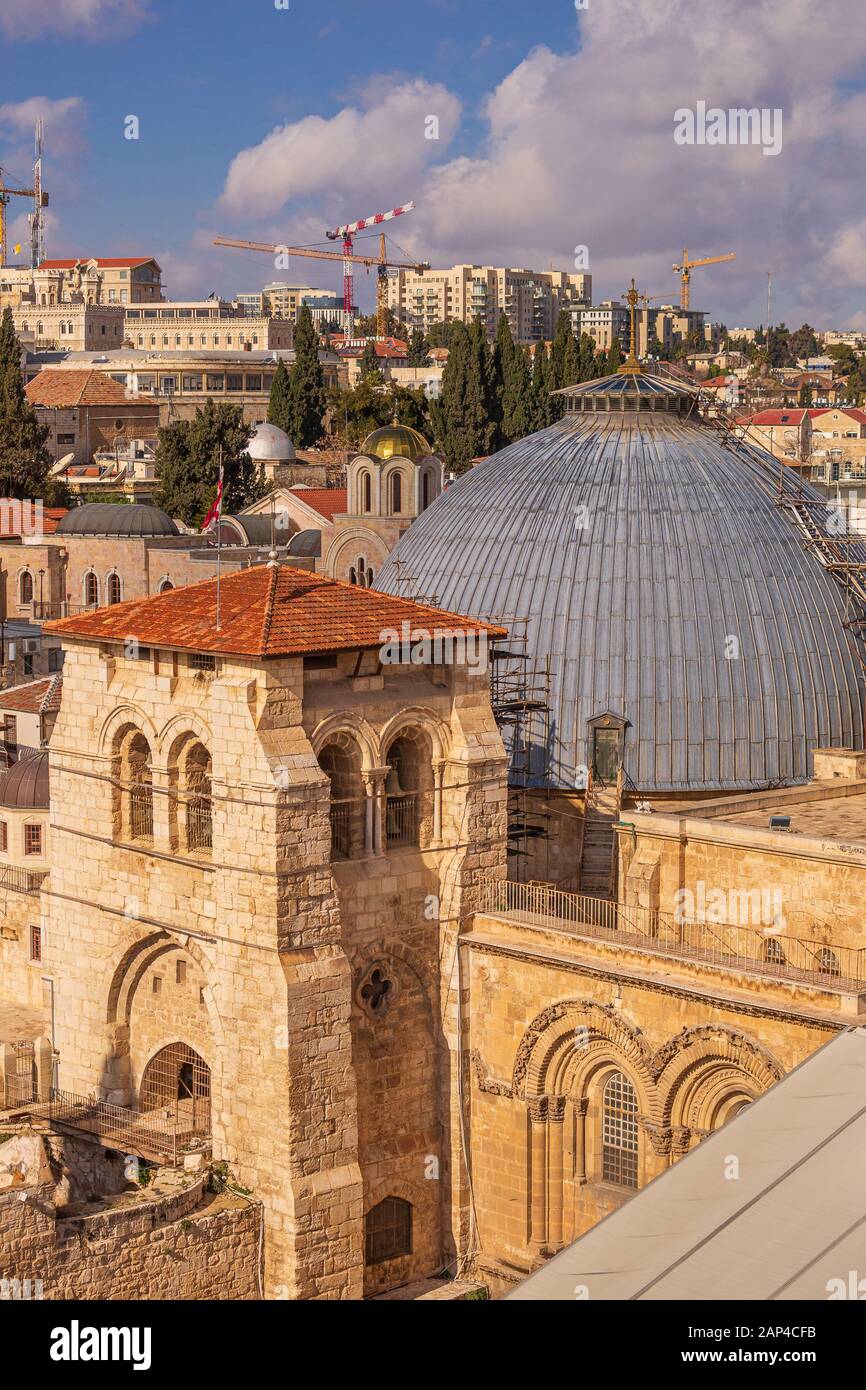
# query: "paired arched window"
x,y
134,784
91,590
361,574
619,1131
340,758
395,493
191,802
25,587
115,590
388,1231
408,790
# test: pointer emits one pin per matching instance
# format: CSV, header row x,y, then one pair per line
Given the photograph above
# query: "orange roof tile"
x,y
50,518
36,697
265,612
327,501
66,389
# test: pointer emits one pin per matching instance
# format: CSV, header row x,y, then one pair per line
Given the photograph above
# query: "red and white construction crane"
x,y
347,233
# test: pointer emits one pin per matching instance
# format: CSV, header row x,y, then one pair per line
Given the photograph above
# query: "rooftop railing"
x,y
751,949
19,880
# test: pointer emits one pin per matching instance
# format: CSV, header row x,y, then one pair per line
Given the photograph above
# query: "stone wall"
x,y
176,1248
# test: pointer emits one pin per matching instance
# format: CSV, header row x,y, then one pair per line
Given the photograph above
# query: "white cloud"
x,y
377,149
578,149
96,19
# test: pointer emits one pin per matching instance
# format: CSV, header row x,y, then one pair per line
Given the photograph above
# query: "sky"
x,y
555,129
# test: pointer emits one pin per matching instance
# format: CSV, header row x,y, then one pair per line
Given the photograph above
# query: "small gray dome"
x,y
116,519
306,543
25,786
270,444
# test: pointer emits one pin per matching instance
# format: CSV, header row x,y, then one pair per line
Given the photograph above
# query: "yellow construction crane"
x,y
382,266
5,194
685,271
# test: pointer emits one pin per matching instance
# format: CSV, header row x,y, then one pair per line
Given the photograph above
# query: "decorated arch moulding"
x,y
547,1049
417,717
718,1042
361,540
120,716
175,728
356,728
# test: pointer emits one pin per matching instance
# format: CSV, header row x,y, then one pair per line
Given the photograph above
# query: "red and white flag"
x,y
216,510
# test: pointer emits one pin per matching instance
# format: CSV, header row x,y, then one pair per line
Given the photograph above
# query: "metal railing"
x,y
19,880
141,812
401,820
12,753
158,1134
46,609
748,948
23,1084
340,831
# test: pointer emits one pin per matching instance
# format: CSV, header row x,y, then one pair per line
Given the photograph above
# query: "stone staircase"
x,y
596,859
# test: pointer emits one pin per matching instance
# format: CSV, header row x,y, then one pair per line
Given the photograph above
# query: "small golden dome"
x,y
394,440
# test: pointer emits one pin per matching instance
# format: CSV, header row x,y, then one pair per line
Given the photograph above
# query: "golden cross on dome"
x,y
632,298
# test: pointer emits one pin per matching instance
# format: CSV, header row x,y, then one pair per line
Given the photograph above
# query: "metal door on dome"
x,y
605,754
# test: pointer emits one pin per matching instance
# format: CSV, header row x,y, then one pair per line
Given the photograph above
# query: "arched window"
x,y
91,590
114,588
165,586
353,575
197,791
828,962
773,953
341,760
395,489
388,1231
177,1079
619,1131
366,492
25,587
135,787
425,491
408,790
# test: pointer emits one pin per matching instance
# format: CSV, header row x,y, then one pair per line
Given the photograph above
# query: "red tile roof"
x,y
855,414
265,612
110,262
67,389
51,516
792,416
36,697
327,501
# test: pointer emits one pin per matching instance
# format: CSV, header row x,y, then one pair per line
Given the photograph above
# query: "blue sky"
x,y
556,132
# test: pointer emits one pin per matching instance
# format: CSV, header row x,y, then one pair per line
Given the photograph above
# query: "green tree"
x,y
368,362
279,401
542,404
805,397
803,342
559,353
439,334
24,459
518,405
188,462
307,398
419,349
461,418
615,358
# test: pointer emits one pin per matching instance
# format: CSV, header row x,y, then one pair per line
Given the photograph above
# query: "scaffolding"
x,y
520,698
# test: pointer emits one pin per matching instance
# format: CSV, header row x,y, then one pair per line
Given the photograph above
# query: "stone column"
x,y
438,777
555,1129
538,1173
581,1105
374,810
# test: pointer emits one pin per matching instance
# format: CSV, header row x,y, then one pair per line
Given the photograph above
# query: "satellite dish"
x,y
61,465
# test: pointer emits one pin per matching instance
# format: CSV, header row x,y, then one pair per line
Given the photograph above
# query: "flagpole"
x,y
219,540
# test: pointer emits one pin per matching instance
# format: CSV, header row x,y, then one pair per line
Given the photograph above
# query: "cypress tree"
x,y
279,401
368,362
559,357
10,349
419,351
447,411
540,398
306,385
24,459
517,401
615,358
188,458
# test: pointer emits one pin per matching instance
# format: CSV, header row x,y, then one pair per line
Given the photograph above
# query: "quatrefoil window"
x,y
377,989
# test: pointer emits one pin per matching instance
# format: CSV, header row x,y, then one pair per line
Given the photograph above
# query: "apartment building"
x,y
531,299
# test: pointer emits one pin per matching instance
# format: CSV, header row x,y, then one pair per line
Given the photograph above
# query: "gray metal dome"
x,y
116,519
637,544
25,785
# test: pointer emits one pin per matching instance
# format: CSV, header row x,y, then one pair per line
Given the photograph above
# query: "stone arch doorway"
x,y
177,1080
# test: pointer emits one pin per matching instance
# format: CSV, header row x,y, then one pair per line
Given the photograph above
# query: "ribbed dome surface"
x,y
116,519
637,544
25,786
393,440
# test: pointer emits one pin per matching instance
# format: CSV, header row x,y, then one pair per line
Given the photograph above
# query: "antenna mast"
x,y
37,217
